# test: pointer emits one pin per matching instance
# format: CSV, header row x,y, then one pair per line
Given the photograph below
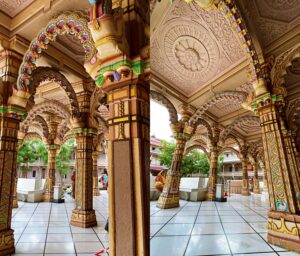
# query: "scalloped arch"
x,y
196,146
42,74
32,135
230,136
41,121
233,150
47,106
203,122
66,23
160,98
281,64
237,121
236,97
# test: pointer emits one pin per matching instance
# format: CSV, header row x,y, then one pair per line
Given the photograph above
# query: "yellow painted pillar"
x,y
256,189
9,126
284,215
213,170
84,215
244,159
128,159
96,191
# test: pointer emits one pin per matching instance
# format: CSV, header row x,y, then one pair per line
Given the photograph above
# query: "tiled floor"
x,y
43,229
237,227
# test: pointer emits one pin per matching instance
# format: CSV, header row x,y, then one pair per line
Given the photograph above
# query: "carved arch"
x,y
41,121
41,74
203,122
235,97
232,137
160,98
73,23
282,63
233,150
197,137
47,106
196,146
237,121
32,135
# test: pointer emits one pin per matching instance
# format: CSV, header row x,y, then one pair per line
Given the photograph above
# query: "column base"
x,y
245,192
96,192
256,191
167,202
211,196
284,230
47,197
7,242
83,219
15,203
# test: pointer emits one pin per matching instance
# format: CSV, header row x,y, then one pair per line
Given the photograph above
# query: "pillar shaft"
x,y
284,219
245,184
96,191
265,178
213,170
128,159
256,188
169,197
8,154
50,180
83,215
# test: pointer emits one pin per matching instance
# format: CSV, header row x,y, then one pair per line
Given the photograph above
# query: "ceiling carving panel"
x,y
271,18
224,108
192,46
13,7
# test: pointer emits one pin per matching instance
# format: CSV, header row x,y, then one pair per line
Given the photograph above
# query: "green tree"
x,y
193,162
63,158
29,152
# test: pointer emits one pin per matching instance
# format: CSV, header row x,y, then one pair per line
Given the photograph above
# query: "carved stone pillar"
x,y
256,188
213,170
284,218
244,159
84,215
169,198
265,178
96,191
8,154
50,180
128,160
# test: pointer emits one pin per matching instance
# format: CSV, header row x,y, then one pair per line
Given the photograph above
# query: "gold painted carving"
x,y
282,227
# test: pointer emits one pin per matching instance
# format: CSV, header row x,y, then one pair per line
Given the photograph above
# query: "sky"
x,y
159,122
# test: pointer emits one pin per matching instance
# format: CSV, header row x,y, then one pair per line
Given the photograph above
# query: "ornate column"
x,y
265,177
213,170
53,123
256,188
84,215
11,113
96,191
128,159
169,198
244,160
284,219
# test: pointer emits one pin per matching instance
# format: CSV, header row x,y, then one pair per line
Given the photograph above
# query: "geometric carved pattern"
x,y
202,122
244,122
195,45
160,98
232,97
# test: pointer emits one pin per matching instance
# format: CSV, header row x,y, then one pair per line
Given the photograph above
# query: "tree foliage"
x,y
193,162
29,152
63,158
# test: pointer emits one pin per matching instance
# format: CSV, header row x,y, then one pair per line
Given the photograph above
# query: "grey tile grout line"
x,y
187,245
167,221
70,227
27,224
47,228
224,230
254,229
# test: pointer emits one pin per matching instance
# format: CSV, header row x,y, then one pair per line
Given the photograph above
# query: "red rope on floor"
x,y
101,252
